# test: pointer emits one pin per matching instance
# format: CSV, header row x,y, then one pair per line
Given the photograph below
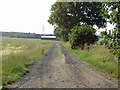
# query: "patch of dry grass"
x,y
98,56
60,52
15,64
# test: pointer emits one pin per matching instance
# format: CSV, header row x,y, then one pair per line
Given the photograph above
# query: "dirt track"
x,y
68,72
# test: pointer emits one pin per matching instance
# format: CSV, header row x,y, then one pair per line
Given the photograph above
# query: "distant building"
x,y
48,38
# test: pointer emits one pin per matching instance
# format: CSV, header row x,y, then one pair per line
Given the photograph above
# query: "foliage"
x,y
101,42
69,14
58,32
99,58
82,34
24,35
66,15
61,33
21,35
112,38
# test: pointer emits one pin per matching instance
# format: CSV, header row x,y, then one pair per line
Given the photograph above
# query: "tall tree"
x,y
69,14
61,33
110,11
57,32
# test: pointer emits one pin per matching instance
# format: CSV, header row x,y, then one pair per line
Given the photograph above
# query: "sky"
x,y
25,15
28,16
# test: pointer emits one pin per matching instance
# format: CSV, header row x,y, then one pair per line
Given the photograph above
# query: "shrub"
x,y
82,34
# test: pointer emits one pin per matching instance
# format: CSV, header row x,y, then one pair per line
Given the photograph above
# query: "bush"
x,y
61,33
101,42
82,34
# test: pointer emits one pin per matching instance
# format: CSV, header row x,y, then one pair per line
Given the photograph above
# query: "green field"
x,y
99,57
19,54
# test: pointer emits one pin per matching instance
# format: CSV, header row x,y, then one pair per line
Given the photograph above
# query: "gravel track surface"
x,y
68,72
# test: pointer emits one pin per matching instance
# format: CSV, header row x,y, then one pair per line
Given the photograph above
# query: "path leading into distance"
x,y
68,72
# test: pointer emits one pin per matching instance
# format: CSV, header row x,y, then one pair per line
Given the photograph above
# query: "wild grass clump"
x,y
98,56
60,52
15,65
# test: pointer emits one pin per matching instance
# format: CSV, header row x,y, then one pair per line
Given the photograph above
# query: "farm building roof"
x,y
48,36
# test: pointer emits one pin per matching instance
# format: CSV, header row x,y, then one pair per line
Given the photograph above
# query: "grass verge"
x,y
15,65
99,57
60,52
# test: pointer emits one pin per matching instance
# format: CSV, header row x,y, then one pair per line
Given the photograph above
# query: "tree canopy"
x,y
69,14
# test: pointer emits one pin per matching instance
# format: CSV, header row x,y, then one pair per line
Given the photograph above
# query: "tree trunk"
x,y
83,45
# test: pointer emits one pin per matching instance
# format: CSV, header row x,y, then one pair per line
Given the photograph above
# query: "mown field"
x,y
97,56
19,54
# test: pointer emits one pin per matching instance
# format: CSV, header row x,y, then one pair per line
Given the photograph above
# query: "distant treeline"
x,y
23,35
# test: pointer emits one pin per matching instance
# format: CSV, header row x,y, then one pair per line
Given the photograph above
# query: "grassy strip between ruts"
x,y
98,57
15,65
60,52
